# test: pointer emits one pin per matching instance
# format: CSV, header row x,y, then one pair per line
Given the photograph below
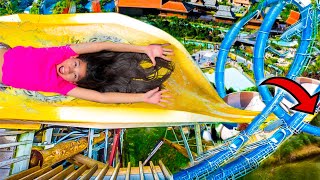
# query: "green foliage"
x,y
313,70
230,90
185,28
254,88
35,9
246,69
103,2
286,11
191,48
139,142
80,5
305,138
60,6
307,169
9,7
316,120
271,89
285,151
224,2
271,60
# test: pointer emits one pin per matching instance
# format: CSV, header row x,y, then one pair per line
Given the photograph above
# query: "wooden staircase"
x,y
94,171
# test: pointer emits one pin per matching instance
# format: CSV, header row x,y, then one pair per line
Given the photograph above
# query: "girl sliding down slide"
x,y
103,72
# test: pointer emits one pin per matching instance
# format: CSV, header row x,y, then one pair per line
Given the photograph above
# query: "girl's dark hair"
x,y
123,72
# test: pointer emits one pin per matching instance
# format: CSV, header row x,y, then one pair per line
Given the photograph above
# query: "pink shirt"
x,y
35,68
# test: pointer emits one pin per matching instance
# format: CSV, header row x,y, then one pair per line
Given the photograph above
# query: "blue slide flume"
x,y
292,123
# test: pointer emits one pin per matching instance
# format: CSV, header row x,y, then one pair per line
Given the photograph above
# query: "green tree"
x,y
9,7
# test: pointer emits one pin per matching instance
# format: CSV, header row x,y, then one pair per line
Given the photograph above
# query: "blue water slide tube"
x,y
300,61
313,130
296,67
215,161
292,30
228,41
250,161
276,52
243,164
259,52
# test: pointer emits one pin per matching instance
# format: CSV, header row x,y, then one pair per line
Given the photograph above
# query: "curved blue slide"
x,y
211,168
295,29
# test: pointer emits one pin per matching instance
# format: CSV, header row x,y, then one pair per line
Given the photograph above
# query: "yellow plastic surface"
x,y
194,99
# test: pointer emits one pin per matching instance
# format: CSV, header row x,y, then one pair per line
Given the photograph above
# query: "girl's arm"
x,y
152,51
153,96
92,47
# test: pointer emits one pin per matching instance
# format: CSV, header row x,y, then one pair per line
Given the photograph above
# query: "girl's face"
x,y
72,69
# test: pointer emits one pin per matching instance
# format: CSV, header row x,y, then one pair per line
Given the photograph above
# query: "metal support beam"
x,y
47,136
179,148
121,141
141,170
105,153
153,152
90,140
186,145
198,138
114,149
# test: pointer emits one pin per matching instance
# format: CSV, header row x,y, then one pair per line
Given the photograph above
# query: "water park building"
x,y
162,8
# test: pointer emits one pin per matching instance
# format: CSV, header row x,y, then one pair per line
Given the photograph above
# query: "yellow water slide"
x,y
194,99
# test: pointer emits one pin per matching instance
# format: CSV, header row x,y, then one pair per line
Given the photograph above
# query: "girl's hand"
x,y
155,50
155,96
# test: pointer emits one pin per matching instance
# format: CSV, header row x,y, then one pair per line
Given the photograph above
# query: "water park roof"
x,y
293,17
210,2
140,3
206,17
209,54
245,2
204,3
224,12
224,8
177,6
239,11
234,79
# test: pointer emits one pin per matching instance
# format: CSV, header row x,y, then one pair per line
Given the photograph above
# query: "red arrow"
x,y
306,103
